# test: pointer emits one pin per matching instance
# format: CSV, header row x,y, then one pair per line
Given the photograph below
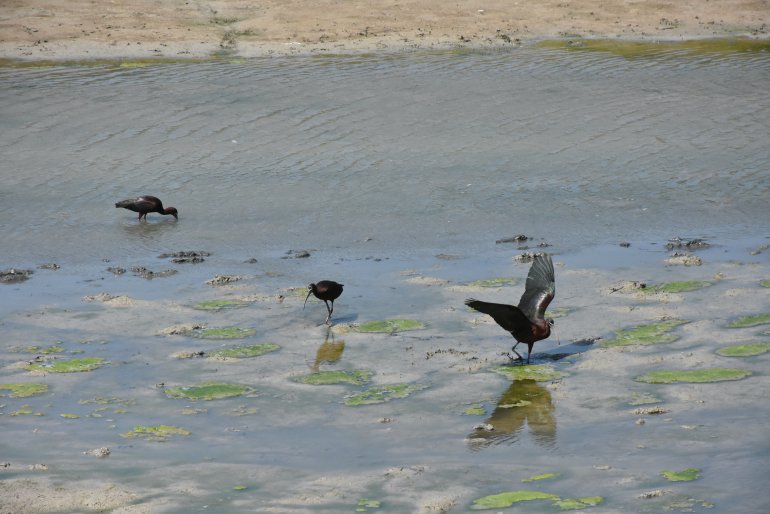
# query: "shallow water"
x,y
328,152
398,174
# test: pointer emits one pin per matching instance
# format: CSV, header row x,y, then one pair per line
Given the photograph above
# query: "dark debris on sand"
x,y
185,257
14,276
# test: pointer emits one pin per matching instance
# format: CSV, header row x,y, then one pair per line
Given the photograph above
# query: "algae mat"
x,y
155,432
382,394
225,333
68,366
683,286
390,326
744,350
647,334
686,475
509,498
700,376
355,377
23,390
209,391
244,351
750,321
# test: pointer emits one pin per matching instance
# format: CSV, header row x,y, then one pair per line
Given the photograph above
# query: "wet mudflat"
x,y
408,403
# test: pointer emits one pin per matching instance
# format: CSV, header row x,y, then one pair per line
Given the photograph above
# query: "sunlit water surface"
x,y
376,165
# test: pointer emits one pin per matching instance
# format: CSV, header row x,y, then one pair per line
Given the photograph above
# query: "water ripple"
x,y
325,151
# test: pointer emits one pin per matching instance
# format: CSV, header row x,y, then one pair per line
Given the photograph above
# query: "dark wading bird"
x,y
326,290
146,204
526,323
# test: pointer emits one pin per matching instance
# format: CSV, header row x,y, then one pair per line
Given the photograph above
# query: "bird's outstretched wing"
x,y
507,316
540,288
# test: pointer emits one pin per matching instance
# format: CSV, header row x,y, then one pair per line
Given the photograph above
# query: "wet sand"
x,y
72,30
277,450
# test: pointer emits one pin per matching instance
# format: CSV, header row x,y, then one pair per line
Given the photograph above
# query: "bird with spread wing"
x,y
526,322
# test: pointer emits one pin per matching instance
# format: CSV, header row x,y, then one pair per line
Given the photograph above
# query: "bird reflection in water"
x,y
330,351
525,401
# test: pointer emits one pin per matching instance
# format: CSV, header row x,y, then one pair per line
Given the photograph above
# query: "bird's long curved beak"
x,y
308,296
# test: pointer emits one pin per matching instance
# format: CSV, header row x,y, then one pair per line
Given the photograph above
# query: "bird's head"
x,y
172,211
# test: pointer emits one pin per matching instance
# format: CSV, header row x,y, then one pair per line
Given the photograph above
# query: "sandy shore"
x,y
80,29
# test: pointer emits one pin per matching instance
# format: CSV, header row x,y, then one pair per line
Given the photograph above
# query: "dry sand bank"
x,y
78,29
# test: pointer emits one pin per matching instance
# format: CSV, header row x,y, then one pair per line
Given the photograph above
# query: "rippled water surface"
x,y
397,174
326,152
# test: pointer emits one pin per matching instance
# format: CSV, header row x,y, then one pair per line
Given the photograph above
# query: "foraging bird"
x,y
526,323
326,290
146,204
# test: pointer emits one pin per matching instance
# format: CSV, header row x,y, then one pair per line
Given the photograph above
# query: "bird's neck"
x,y
541,329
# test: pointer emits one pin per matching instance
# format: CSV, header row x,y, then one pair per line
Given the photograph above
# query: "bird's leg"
x,y
140,215
330,309
520,358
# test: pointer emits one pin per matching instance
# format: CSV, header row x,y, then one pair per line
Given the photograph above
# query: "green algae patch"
x,y
475,410
744,350
390,326
504,500
660,49
541,476
382,394
364,504
579,503
44,350
245,351
155,432
699,376
651,333
494,282
356,377
686,475
536,372
69,415
750,321
677,287
764,283
23,411
23,390
68,366
209,391
218,305
225,333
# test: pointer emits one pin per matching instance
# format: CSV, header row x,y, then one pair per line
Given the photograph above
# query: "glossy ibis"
x,y
527,322
146,204
326,290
